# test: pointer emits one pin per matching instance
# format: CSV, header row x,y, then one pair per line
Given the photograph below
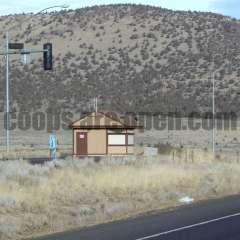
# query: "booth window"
x,y
130,139
120,139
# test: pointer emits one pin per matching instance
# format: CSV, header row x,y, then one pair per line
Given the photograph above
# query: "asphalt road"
x,y
212,220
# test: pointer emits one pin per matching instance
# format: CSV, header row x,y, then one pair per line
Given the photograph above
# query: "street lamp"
x,y
212,76
7,69
213,113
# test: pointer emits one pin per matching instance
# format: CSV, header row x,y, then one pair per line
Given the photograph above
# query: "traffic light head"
x,y
47,56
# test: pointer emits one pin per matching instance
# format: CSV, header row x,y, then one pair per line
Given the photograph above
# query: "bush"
x,y
134,36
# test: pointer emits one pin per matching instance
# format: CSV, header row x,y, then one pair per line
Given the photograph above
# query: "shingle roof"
x,y
117,121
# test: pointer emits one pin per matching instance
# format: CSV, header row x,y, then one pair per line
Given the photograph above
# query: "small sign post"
x,y
52,143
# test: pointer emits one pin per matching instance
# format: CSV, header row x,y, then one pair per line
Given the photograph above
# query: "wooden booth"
x,y
101,133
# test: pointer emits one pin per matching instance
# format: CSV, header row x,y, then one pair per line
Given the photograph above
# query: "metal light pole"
x,y
7,93
213,113
7,72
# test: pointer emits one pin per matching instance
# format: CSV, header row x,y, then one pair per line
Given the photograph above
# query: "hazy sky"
x,y
226,7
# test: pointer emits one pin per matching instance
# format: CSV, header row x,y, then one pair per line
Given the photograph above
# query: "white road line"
x,y
189,226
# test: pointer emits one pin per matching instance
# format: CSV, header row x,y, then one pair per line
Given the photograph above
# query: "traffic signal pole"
x,y
47,64
6,53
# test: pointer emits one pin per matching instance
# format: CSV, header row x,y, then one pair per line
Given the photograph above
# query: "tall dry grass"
x,y
26,153
64,194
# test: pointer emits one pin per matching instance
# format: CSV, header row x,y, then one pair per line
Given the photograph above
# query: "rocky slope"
x,y
132,57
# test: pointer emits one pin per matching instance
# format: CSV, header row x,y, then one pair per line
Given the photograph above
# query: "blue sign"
x,y
52,142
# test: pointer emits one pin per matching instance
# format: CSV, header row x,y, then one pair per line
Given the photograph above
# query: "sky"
x,y
225,7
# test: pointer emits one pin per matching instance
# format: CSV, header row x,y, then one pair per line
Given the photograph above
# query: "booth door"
x,y
81,143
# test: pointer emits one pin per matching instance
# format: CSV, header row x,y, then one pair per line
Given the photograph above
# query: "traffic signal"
x,y
47,56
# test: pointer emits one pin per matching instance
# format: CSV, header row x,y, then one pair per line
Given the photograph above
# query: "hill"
x,y
133,57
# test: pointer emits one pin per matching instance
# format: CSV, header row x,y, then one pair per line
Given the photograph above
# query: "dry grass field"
x,y
38,199
71,192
